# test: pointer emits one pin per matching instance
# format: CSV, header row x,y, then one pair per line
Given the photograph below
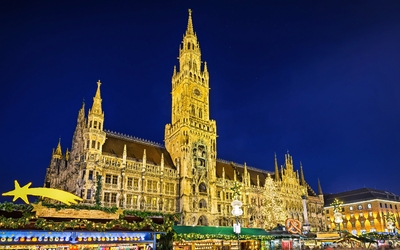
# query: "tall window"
x,y
136,183
108,178
129,182
169,188
202,188
90,177
152,186
113,198
89,194
154,203
134,201
114,179
202,204
128,199
106,197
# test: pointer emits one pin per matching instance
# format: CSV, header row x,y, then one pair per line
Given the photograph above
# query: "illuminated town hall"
x,y
185,175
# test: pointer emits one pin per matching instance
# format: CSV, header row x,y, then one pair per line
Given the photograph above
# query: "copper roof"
x,y
360,195
135,147
230,168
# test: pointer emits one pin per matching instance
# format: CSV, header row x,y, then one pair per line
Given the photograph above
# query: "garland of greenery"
x,y
98,191
380,236
41,223
44,224
10,207
196,236
58,207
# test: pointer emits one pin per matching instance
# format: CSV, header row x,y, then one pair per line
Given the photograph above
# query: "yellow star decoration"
x,y
55,194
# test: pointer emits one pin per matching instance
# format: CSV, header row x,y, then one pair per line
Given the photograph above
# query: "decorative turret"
x,y
124,156
96,107
189,30
319,188
67,155
57,153
277,178
288,161
302,180
94,135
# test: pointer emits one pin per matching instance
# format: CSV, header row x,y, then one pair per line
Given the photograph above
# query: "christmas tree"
x,y
272,210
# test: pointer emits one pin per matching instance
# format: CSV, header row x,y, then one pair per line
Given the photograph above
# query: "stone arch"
x,y
202,188
202,221
202,204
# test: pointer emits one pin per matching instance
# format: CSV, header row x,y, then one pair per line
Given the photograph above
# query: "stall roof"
x,y
219,230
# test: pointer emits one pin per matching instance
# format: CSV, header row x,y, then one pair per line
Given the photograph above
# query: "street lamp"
x,y
390,221
306,225
237,211
338,218
337,213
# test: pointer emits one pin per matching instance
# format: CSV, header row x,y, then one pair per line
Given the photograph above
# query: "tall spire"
x,y
189,30
303,181
96,108
57,154
276,168
81,114
319,188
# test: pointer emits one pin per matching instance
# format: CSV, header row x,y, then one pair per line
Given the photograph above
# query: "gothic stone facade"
x,y
184,176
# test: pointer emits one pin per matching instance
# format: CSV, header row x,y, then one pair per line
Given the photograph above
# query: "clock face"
x,y
197,92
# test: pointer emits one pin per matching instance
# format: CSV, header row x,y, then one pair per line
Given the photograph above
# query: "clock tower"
x,y
190,138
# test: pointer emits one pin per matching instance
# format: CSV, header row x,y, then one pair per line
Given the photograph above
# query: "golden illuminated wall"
x,y
190,138
364,216
191,186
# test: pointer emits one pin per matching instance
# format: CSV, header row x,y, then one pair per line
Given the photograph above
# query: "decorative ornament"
x,y
293,226
55,194
236,189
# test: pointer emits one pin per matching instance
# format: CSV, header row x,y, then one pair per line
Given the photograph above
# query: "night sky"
x,y
319,79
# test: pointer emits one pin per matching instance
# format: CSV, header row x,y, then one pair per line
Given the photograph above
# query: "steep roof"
x,y
359,195
230,168
114,145
135,147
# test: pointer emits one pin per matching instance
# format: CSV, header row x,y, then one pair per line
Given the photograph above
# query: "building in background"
x,y
185,175
364,210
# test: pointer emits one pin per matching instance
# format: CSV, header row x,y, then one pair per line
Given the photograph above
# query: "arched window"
x,y
202,204
202,221
194,189
202,188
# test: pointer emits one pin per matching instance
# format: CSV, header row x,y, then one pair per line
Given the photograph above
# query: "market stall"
x,y
71,240
219,238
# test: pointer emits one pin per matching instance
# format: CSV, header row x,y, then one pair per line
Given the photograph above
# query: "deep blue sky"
x,y
318,78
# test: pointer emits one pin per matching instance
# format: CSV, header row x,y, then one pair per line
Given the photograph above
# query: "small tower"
x,y
302,180
320,194
57,153
94,135
277,178
190,138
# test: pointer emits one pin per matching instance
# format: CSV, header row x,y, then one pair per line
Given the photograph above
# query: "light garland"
x,y
236,189
28,217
